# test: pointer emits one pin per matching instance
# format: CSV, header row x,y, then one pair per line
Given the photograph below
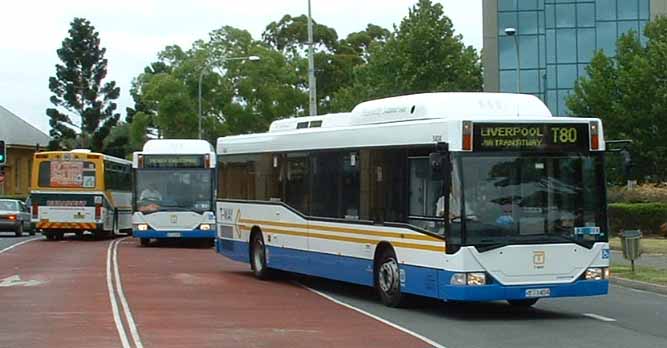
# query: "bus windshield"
x,y
173,190
530,199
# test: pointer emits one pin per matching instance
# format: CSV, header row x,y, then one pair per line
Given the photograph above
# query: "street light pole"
x,y
512,32
312,83
201,77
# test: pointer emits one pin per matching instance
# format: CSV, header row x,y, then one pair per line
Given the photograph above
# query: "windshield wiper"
x,y
490,244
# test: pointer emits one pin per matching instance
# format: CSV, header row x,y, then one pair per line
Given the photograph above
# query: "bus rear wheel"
x,y
258,257
144,241
387,279
522,303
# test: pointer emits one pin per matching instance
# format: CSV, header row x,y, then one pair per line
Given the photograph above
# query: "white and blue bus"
x,y
174,190
455,196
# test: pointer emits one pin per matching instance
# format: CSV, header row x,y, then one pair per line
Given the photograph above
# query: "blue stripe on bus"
x,y
424,281
184,234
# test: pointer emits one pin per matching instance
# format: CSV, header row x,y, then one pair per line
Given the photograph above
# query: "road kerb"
x,y
639,285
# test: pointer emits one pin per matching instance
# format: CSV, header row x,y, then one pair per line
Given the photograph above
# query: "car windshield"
x,y
173,190
9,205
532,199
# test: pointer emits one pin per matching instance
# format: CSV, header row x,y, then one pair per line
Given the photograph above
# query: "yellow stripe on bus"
x,y
344,230
247,228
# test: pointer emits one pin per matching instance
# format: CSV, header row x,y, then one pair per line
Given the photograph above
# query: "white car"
x,y
15,216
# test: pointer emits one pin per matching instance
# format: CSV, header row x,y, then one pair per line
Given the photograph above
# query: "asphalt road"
x,y
8,239
113,293
624,318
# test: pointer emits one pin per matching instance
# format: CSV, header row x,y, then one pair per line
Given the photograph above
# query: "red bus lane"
x,y
190,297
54,294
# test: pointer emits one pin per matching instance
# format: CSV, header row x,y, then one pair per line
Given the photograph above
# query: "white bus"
x,y
361,197
174,186
78,191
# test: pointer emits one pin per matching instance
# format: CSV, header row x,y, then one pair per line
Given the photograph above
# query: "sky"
x,y
134,31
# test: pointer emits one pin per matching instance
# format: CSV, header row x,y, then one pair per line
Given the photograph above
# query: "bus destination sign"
x,y
551,137
173,161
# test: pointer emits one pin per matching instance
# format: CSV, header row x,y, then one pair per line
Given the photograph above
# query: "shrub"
x,y
646,193
648,217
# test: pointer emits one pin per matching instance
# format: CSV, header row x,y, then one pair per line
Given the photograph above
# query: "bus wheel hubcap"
x,y
388,275
259,256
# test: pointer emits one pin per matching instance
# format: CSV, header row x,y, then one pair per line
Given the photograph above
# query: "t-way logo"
x,y
539,258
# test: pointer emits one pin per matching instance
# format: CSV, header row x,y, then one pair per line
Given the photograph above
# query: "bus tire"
x,y
144,242
522,303
114,230
60,235
258,257
387,279
79,234
100,234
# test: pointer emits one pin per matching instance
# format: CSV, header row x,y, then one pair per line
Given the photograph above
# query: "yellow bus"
x,y
78,191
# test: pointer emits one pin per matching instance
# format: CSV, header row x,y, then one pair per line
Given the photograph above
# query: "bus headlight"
x,y
597,273
476,278
205,227
142,227
458,279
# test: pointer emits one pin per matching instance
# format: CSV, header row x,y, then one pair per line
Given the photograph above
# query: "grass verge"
x,y
649,245
644,274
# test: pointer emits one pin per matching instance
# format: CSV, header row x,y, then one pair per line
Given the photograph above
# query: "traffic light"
x,y
3,153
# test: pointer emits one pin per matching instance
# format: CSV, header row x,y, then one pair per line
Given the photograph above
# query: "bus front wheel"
x,y
258,257
387,279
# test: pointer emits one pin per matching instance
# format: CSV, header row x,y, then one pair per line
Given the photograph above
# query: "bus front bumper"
x,y
496,292
197,233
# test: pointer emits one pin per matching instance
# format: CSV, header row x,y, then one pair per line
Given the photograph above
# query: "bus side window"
x,y
298,182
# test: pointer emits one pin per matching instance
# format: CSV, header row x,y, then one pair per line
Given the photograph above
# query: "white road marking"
x,y
384,321
599,317
126,307
114,305
20,243
15,280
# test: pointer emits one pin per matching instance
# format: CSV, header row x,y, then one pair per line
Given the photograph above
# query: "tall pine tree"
x,y
80,98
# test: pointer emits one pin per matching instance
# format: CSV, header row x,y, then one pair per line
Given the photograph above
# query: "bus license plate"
x,y
174,234
538,292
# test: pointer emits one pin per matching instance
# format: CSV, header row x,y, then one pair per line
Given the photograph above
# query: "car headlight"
x,y
458,279
142,227
477,278
205,227
596,273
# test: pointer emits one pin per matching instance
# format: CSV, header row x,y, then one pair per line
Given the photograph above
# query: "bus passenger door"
x,y
287,236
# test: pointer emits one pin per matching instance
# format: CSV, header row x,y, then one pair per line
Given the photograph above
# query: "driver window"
x,y
426,201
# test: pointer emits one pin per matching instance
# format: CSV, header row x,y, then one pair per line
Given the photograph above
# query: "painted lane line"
x,y
126,307
114,305
20,243
373,316
599,317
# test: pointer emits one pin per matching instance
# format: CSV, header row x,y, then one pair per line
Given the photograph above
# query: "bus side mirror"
x,y
435,161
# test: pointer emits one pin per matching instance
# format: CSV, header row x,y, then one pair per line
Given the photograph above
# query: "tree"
x,y
422,54
629,93
80,97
